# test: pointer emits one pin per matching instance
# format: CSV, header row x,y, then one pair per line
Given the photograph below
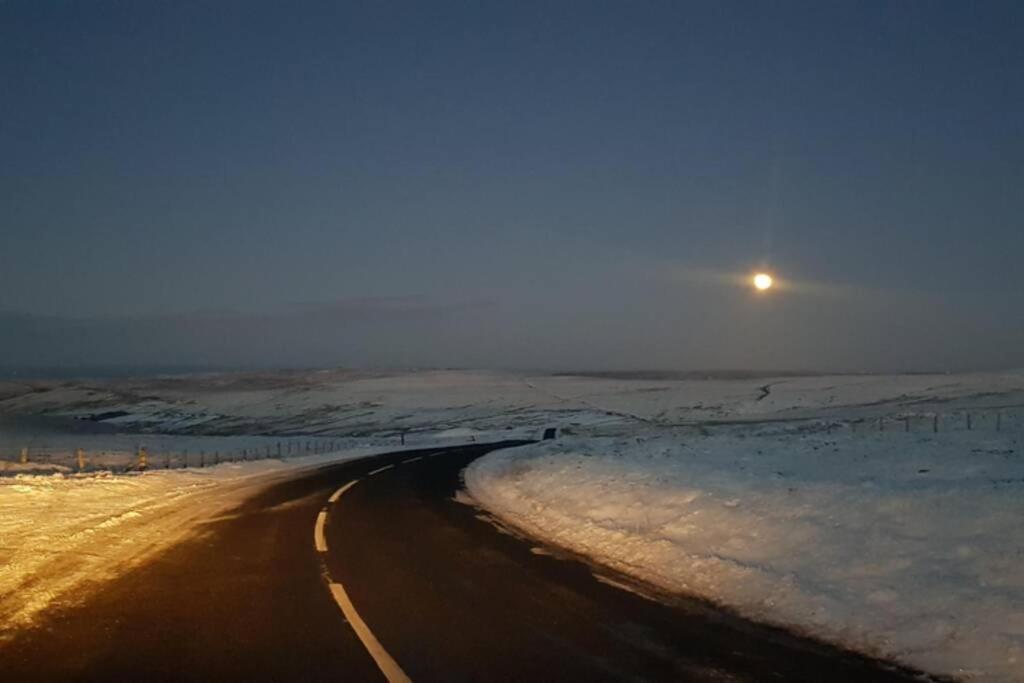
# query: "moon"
x,y
763,281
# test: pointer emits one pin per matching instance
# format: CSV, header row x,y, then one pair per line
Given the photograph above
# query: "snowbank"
x,y
908,546
61,532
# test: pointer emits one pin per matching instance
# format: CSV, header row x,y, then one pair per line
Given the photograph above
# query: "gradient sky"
x,y
518,185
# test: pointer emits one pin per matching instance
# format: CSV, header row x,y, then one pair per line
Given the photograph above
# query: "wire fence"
x,y
155,452
981,420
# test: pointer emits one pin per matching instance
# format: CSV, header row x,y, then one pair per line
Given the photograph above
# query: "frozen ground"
x,y
348,403
904,545
61,533
725,485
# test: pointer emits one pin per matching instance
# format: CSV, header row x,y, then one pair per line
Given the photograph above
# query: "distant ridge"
x,y
670,375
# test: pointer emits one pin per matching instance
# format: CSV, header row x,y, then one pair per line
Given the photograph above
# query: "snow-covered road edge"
x,y
60,535
906,553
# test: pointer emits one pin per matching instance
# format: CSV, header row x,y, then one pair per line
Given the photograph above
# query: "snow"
x,y
60,533
725,485
906,546
339,402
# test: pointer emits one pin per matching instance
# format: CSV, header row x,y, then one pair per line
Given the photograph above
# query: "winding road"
x,y
371,570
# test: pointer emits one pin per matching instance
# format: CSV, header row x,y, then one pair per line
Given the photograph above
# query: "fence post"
x,y
80,457
202,460
935,423
278,450
881,424
24,456
968,422
143,459
906,424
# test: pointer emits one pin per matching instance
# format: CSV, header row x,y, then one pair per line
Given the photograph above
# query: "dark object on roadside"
x,y
550,433
100,417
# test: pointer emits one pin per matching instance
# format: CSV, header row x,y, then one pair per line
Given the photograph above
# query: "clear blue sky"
x,y
510,184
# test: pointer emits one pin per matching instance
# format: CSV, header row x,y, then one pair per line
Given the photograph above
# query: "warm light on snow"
x,y
763,281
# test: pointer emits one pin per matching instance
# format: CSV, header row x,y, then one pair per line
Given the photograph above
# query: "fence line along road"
x,y
146,457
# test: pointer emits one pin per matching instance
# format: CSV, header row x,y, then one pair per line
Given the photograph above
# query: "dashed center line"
x,y
385,662
318,532
379,470
337,494
406,462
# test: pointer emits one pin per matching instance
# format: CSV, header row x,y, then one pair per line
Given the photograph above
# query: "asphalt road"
x,y
439,593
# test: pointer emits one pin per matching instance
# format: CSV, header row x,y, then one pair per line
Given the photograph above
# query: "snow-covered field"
x,y
62,533
909,546
349,403
856,507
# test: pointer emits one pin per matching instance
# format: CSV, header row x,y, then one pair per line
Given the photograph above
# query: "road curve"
x,y
444,594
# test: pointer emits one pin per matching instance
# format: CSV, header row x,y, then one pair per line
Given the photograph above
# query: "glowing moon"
x,y
763,281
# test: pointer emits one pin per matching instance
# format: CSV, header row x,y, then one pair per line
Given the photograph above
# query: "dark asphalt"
x,y
449,596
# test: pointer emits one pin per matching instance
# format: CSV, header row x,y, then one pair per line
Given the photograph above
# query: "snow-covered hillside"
x,y
902,545
348,403
780,496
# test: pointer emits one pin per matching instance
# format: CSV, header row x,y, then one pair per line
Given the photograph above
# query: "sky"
x,y
548,185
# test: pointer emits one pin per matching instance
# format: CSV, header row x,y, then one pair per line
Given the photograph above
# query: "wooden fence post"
x,y
968,422
80,457
24,456
143,458
935,423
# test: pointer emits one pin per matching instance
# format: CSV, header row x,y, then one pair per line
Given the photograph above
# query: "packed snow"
x,y
904,545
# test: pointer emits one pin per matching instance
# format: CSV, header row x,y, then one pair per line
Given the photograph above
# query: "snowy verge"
x,y
61,533
903,546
